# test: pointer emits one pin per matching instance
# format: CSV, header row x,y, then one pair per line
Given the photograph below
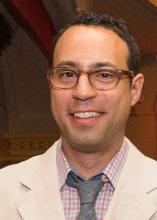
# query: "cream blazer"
x,y
29,190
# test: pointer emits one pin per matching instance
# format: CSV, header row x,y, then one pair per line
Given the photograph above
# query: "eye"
x,y
105,74
69,73
66,73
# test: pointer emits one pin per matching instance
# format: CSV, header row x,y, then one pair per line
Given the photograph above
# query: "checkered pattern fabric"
x,y
111,174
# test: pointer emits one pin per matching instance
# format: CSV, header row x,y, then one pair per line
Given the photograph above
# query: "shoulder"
x,y
135,153
16,180
12,173
143,166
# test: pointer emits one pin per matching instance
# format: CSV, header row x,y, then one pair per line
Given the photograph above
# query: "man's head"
x,y
92,84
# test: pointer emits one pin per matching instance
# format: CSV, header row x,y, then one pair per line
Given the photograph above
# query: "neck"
x,y
88,164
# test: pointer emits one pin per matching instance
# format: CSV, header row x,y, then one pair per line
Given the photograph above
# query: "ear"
x,y
136,88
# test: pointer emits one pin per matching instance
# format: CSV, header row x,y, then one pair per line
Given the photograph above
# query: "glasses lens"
x,y
104,79
64,77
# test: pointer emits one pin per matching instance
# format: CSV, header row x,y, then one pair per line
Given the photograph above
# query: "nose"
x,y
84,89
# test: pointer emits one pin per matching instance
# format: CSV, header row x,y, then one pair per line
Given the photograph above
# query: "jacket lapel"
x,y
39,195
132,198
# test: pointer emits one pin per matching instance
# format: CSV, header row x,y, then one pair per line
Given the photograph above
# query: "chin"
x,y
84,146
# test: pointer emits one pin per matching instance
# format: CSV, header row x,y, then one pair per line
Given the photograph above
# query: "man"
x,y
94,82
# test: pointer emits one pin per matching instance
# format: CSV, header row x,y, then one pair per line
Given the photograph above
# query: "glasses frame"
x,y
119,73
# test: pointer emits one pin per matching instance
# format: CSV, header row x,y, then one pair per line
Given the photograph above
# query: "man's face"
x,y
91,119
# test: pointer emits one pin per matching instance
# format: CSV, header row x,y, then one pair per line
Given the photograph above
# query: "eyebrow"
x,y
67,63
102,64
93,65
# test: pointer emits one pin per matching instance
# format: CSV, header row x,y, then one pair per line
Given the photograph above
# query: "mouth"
x,y
86,115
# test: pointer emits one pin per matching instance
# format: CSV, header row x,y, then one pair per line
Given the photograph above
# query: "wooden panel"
x,y
140,16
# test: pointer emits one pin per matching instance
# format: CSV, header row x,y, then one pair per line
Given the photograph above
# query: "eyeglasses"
x,y
101,79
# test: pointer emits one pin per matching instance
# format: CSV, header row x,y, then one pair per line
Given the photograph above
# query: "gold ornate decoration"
x,y
18,147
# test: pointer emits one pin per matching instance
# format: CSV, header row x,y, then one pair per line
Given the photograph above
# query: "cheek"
x,y
110,100
59,102
55,103
119,101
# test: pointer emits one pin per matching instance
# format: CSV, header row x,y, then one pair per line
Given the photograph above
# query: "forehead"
x,y
90,44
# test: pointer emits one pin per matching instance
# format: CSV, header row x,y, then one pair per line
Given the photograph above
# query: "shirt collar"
x,y
111,171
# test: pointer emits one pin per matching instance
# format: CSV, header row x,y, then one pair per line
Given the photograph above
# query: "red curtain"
x,y
35,15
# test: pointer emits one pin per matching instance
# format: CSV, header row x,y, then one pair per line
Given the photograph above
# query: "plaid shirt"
x,y
111,174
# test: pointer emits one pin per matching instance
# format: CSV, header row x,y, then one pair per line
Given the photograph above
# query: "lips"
x,y
85,115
